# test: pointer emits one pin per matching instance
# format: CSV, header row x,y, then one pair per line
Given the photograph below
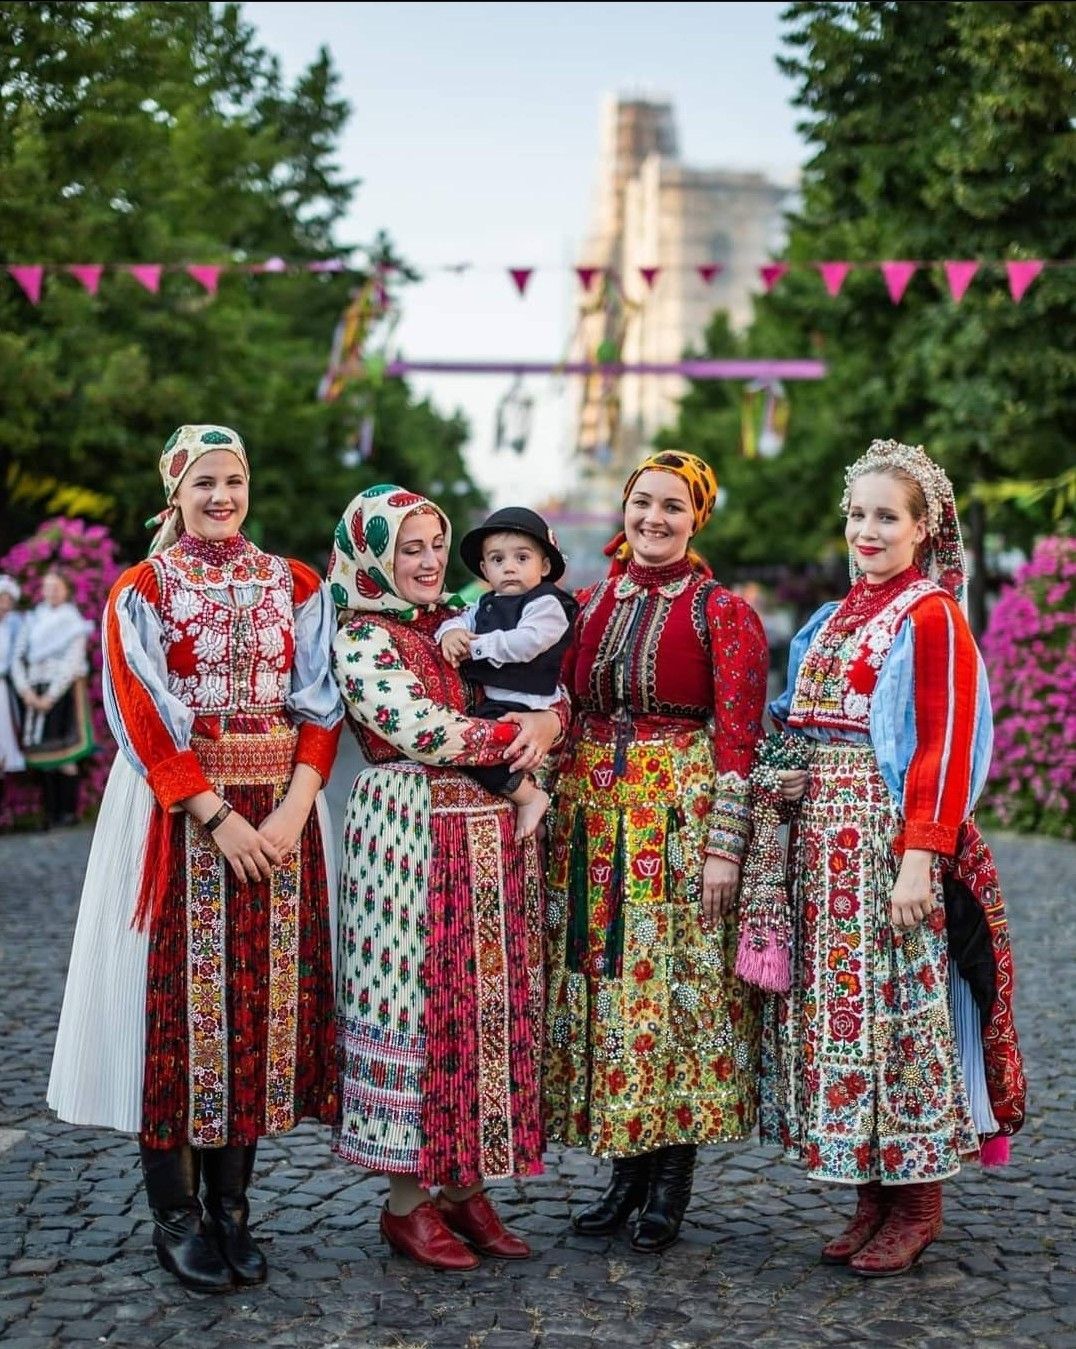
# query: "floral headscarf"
x,y
360,571
696,472
184,447
702,489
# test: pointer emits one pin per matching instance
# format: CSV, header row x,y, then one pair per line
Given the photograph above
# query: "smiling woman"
x,y
439,976
893,1058
651,1041
207,1022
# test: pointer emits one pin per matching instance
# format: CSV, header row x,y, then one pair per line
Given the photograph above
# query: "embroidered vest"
x,y
836,680
229,627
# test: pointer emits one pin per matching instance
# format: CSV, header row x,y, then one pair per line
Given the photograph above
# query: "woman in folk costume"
x,y
892,1055
439,976
651,1042
206,1023
11,760
49,672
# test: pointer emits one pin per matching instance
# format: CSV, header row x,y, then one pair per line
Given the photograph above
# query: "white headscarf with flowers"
x,y
361,571
184,447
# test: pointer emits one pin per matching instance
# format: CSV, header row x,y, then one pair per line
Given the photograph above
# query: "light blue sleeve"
x,y
797,649
141,641
315,697
892,720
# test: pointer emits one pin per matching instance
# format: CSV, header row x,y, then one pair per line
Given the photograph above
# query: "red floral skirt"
x,y
240,1037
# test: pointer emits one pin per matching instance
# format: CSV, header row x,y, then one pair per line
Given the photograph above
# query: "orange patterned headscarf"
x,y
701,486
696,472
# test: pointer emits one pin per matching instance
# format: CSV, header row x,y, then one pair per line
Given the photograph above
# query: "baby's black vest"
x,y
501,613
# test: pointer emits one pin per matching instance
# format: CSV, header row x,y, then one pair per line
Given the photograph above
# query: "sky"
x,y
475,130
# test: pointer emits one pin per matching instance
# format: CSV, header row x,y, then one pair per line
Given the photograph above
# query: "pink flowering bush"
x,y
1030,652
86,555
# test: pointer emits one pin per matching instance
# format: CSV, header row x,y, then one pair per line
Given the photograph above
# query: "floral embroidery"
x,y
860,1074
229,626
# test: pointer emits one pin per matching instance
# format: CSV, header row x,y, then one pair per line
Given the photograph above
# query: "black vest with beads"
x,y
502,613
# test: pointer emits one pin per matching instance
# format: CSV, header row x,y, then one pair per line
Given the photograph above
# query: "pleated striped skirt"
x,y
439,981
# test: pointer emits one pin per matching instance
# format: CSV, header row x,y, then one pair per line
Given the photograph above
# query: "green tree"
x,y
163,132
939,131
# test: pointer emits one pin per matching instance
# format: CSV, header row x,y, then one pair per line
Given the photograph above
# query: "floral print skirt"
x,y
239,993
650,1038
439,981
861,1076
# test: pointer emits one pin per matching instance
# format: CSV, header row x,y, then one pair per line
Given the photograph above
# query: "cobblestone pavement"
x,y
75,1235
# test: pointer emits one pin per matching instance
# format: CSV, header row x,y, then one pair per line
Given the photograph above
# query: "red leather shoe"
x,y
422,1235
912,1223
871,1209
477,1220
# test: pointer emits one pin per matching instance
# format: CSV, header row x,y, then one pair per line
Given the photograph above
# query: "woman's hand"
x,y
283,828
720,881
792,783
250,855
913,894
537,731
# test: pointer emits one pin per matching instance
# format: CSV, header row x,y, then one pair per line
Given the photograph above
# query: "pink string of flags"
x,y
897,273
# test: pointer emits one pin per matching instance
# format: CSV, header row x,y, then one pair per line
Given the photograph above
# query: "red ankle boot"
x,y
914,1220
871,1208
477,1220
422,1235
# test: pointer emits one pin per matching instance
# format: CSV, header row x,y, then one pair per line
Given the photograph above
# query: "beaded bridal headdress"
x,y
942,555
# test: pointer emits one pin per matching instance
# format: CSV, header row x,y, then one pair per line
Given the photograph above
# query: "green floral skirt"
x,y
651,1040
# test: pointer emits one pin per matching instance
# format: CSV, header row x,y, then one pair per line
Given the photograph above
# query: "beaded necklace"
x,y
820,685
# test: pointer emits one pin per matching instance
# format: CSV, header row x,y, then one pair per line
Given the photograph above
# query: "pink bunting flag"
x,y
270,265
327,265
147,274
897,275
833,274
708,270
206,274
1021,275
772,273
959,275
650,275
88,273
29,280
586,276
520,276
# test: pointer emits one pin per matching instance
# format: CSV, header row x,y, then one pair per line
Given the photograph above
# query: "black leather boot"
x,y
227,1174
658,1223
49,804
67,792
183,1246
622,1196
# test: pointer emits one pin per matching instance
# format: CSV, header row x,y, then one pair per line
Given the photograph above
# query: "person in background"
x,y
49,672
11,759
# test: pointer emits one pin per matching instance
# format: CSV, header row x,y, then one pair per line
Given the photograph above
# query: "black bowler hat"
x,y
513,520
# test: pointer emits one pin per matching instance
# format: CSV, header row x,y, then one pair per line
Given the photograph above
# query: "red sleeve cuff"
x,y
929,836
504,732
317,747
175,779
